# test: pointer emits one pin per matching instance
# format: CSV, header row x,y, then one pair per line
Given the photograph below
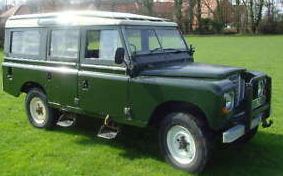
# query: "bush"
x,y
209,26
275,27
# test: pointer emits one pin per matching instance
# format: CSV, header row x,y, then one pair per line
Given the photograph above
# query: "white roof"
x,y
84,18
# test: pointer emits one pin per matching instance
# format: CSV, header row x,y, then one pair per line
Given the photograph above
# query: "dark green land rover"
x,y
135,70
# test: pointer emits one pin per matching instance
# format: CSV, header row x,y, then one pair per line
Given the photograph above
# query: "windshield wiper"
x,y
155,49
175,50
163,50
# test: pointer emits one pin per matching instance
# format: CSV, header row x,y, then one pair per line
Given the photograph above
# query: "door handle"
x,y
49,76
85,85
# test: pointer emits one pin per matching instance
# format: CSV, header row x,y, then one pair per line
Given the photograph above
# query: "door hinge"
x,y
128,112
76,101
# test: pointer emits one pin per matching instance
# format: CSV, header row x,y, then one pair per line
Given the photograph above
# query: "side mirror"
x,y
119,55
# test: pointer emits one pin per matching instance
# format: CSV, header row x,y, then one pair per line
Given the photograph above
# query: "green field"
x,y
25,150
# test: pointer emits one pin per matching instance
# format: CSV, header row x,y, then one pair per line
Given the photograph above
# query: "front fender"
x,y
147,93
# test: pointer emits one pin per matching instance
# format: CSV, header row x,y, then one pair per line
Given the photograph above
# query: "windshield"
x,y
145,41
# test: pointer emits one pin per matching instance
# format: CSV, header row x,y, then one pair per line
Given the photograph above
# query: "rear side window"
x,y
64,44
26,42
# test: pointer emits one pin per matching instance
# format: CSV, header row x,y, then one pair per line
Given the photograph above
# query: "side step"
x,y
108,130
66,120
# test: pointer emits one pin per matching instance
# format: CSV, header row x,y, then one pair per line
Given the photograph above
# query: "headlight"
x,y
229,98
260,88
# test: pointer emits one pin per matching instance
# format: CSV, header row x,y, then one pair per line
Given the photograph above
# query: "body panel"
x,y
193,70
16,75
146,93
61,88
105,92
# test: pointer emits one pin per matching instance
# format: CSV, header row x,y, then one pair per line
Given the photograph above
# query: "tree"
x,y
190,15
271,10
148,4
238,15
97,4
255,10
198,13
178,12
39,6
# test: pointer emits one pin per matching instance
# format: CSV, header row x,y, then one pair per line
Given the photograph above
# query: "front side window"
x,y
26,42
64,44
102,44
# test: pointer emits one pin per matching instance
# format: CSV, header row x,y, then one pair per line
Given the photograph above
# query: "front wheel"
x,y
184,142
40,115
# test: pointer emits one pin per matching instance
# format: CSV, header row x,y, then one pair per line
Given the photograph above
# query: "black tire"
x,y
247,137
50,115
199,132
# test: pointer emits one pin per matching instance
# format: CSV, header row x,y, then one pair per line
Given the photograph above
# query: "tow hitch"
x,y
266,123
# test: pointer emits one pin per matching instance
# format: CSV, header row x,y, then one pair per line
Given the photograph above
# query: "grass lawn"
x,y
25,150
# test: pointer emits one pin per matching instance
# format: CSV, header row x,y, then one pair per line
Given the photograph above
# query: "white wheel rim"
x,y
181,144
38,110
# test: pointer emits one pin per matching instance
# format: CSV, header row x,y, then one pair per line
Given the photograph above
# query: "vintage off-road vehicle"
x,y
135,70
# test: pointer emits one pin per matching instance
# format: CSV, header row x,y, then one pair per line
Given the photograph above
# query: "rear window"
x,y
26,42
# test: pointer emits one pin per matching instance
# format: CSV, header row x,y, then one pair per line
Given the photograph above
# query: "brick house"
x,y
16,10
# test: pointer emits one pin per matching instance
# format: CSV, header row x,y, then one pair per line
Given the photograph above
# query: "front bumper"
x,y
252,112
238,131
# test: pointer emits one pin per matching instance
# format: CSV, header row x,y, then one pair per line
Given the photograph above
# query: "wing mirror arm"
x,y
119,59
191,51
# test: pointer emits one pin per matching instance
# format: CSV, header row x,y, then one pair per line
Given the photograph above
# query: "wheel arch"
x,y
175,106
27,86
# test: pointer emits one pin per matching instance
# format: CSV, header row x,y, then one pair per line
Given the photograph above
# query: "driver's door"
x,y
103,85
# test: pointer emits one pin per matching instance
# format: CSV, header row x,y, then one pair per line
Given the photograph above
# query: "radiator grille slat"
x,y
239,88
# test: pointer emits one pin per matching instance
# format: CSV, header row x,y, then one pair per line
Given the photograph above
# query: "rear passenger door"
x,y
63,54
103,85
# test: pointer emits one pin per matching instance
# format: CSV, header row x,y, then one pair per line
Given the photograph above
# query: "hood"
x,y
195,70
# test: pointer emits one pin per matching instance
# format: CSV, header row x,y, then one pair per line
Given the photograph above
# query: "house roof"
x,y
10,12
84,18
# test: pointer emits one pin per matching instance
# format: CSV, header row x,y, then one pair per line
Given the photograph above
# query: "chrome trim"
x,y
239,84
256,121
233,133
40,61
104,67
256,78
103,75
41,68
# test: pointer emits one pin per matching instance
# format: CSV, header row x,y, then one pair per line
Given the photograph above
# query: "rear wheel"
x,y
184,142
40,115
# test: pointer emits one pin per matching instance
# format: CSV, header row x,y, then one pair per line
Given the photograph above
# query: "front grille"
x,y
239,88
